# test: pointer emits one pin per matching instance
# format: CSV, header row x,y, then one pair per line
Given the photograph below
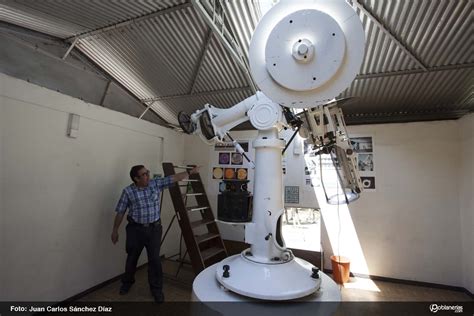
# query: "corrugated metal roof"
x,y
65,18
36,20
243,16
156,57
422,91
218,70
438,32
382,54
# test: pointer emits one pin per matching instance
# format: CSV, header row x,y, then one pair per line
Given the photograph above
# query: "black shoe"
x,y
124,290
159,298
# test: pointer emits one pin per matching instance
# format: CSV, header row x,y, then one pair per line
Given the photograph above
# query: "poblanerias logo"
x,y
434,308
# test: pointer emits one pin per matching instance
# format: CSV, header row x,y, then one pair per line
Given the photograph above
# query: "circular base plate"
x,y
285,281
207,289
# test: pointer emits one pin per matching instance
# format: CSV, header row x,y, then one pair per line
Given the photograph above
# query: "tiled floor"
x,y
358,289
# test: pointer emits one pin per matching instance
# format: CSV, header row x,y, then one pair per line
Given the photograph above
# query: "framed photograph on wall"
x,y
368,182
362,144
217,173
242,173
229,173
365,160
224,158
237,159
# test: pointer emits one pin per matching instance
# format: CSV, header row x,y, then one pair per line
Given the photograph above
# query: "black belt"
x,y
132,222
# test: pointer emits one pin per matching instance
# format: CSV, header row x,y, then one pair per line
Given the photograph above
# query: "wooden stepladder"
x,y
198,226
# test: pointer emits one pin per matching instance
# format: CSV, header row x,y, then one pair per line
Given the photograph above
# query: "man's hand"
x,y
194,170
114,237
185,174
118,219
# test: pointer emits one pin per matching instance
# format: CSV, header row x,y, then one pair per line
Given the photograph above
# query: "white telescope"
x,y
302,55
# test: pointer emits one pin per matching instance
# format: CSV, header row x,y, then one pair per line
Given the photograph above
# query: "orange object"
x,y
229,173
340,269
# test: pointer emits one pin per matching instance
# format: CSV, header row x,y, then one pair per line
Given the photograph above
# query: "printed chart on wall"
x,y
226,157
364,147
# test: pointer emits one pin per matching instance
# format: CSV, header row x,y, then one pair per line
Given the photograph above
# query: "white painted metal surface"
x,y
206,288
277,281
331,28
267,199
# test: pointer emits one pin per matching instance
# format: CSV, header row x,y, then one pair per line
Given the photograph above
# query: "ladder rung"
x,y
206,237
201,222
183,167
197,208
193,194
211,252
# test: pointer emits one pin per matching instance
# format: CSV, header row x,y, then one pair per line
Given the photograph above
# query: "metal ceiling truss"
x,y
200,62
29,38
199,94
359,77
18,33
403,116
386,31
415,71
214,14
73,40
128,22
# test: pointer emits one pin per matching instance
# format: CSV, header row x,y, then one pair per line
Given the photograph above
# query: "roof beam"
x,y
415,71
128,22
197,70
387,32
402,117
199,94
217,24
70,48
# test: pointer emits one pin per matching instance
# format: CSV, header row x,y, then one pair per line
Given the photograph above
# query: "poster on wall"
x,y
364,147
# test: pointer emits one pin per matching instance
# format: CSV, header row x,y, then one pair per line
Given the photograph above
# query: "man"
x,y
142,199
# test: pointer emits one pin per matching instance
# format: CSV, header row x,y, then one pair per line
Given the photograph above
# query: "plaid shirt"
x,y
143,204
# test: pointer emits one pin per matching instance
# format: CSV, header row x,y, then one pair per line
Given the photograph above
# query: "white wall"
x,y
2,208
59,193
409,228
467,200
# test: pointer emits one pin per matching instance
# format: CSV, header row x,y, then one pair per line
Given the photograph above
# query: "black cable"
x,y
243,154
291,139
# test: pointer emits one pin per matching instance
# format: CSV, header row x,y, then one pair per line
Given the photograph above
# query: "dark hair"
x,y
134,172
